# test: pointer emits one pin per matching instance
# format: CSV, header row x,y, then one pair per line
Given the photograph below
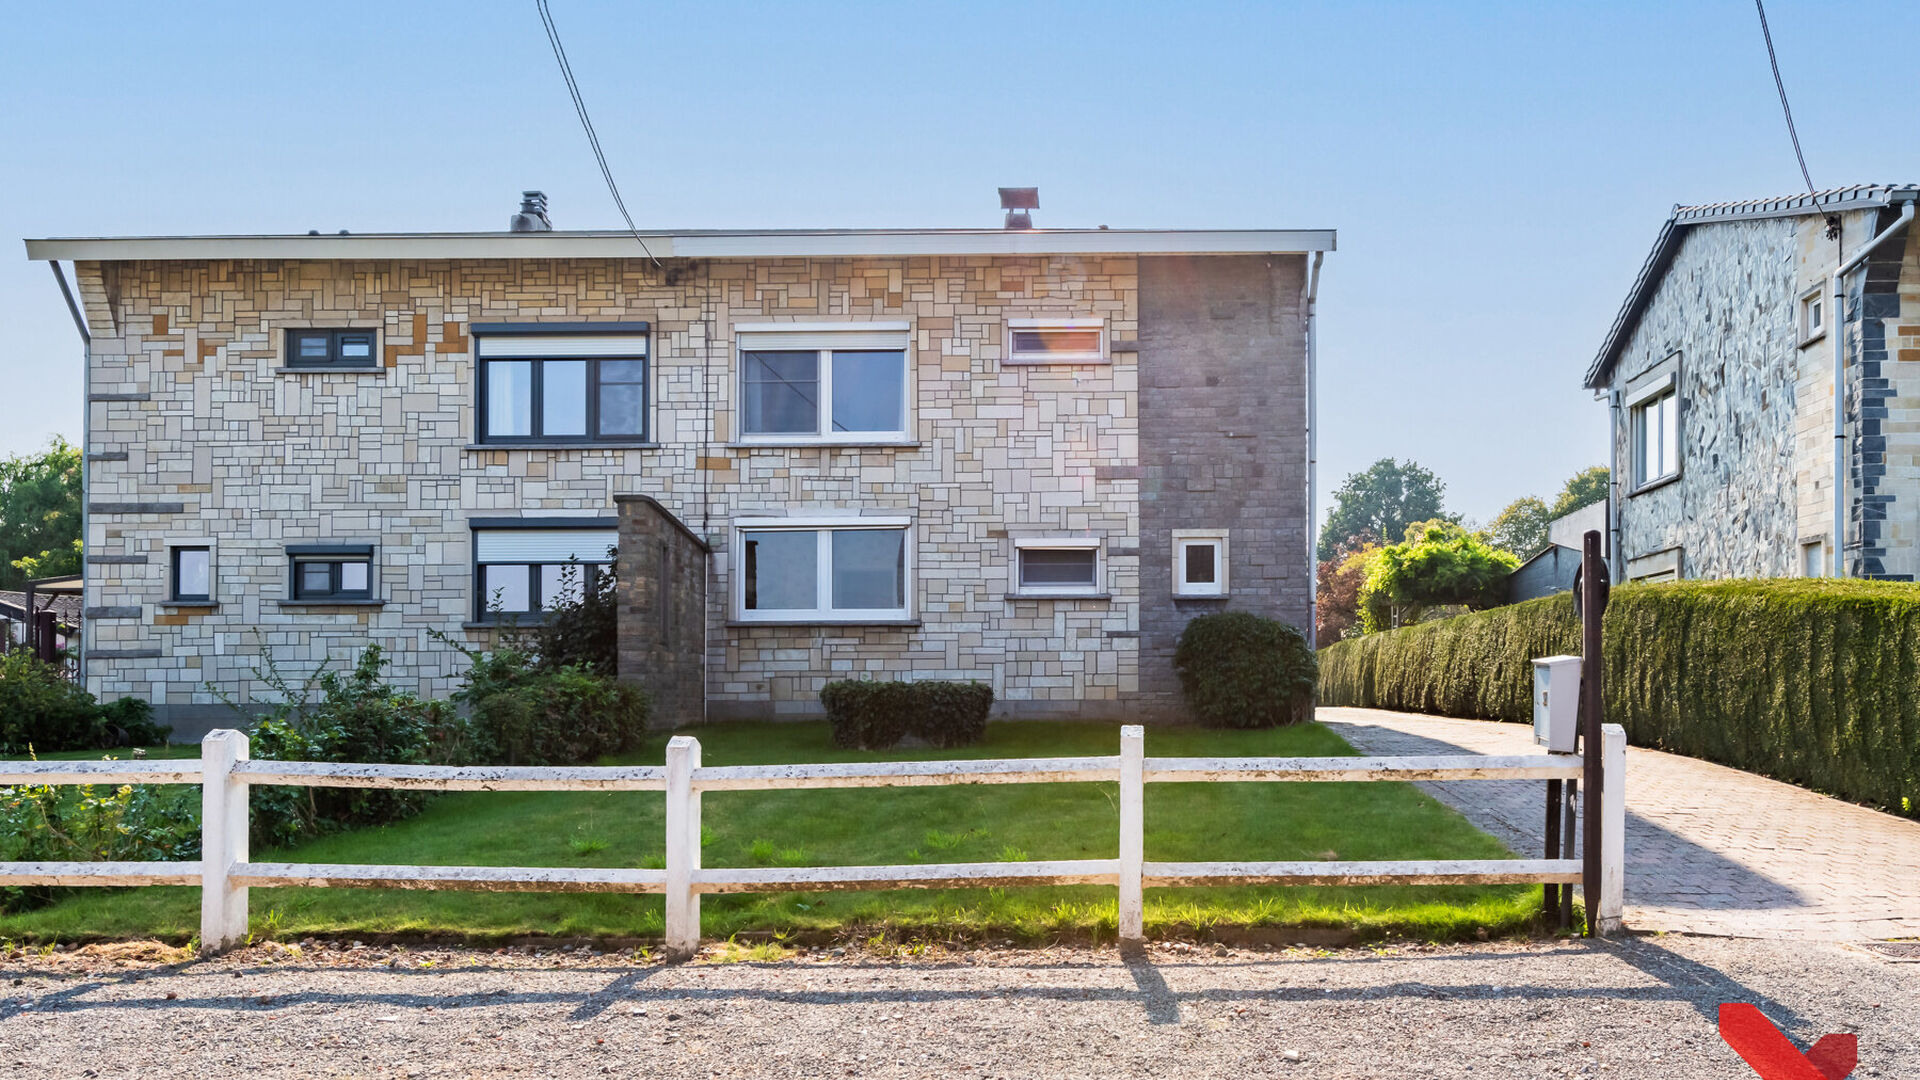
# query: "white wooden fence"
x,y
226,870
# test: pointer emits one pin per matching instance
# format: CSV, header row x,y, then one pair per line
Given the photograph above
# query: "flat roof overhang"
x,y
705,244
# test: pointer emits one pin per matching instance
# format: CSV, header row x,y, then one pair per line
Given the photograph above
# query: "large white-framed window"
x,y
1655,430
824,382
1058,566
1200,562
823,569
1056,341
562,383
525,566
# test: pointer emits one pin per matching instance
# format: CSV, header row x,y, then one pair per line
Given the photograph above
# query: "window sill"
x,y
608,444
187,605
802,444
1014,596
325,369
1653,485
739,623
1200,596
331,603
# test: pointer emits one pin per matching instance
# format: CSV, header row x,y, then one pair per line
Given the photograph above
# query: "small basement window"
x,y
331,349
1199,563
326,574
192,575
1056,341
1057,566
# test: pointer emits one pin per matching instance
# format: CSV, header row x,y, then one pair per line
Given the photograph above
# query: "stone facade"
x,y
1755,394
202,435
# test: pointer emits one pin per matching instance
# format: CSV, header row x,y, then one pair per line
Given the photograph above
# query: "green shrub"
x,y
335,717
581,630
1478,664
91,823
42,709
877,715
1814,682
1439,564
525,713
1240,670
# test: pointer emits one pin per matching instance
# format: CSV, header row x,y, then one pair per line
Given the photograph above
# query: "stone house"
x,y
1732,454
1023,456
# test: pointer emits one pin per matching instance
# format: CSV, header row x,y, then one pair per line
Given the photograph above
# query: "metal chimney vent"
x,y
1016,201
533,214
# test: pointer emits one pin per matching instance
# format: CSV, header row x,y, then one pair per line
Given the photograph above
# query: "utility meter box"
x,y
1556,702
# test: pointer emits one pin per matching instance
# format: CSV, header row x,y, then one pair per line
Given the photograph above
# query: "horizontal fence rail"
x,y
225,872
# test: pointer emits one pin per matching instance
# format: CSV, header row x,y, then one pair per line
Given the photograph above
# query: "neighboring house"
x,y
1021,456
13,617
1719,372
1551,569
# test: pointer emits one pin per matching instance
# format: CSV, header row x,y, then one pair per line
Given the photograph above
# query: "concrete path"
x,y
1710,850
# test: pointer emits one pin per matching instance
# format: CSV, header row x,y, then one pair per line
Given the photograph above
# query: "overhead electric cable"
x,y
1779,84
593,138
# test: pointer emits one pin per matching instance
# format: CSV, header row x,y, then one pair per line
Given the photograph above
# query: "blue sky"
x,y
1496,171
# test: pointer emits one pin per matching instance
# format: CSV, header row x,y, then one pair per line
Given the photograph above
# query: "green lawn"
x,y
857,826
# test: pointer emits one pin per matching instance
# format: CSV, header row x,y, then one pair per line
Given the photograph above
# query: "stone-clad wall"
x,y
1726,308
1223,407
200,437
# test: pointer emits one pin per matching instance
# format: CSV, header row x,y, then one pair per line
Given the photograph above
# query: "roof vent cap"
x,y
533,214
1017,201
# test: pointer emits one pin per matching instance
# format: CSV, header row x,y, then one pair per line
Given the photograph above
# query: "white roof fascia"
x,y
686,245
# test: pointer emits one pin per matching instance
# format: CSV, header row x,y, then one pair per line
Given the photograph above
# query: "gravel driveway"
x,y
1635,1008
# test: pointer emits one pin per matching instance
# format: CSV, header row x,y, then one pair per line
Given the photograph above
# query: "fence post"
x,y
1613,829
1133,750
223,841
683,847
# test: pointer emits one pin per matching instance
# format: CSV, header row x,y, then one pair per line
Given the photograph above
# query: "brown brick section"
x,y
663,600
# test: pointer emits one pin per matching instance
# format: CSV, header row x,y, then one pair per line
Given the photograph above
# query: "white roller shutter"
x,y
802,336
546,345
543,545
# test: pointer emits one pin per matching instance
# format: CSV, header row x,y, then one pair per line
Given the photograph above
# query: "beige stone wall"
x,y
191,407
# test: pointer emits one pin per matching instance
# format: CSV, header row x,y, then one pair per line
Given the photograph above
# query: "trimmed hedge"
x,y
1241,670
877,715
1814,682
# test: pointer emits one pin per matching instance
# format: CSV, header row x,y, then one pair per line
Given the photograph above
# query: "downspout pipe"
x,y
1313,452
1836,308
1614,566
86,447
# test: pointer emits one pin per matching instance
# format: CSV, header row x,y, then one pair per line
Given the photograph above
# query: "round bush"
x,y
1239,670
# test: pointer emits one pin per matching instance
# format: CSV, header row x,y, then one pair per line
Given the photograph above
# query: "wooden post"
x,y
1550,893
1569,807
1132,833
1613,830
683,848
223,841
1593,605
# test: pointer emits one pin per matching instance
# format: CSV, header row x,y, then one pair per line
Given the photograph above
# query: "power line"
x,y
593,138
1761,7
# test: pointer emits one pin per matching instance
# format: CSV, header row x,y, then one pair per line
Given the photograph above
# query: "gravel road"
x,y
1636,1008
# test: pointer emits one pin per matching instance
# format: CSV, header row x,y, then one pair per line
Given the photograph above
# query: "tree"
x,y
1439,563
1586,487
1383,500
40,502
1336,600
1521,528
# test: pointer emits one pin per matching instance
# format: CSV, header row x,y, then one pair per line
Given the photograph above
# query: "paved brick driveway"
x,y
1710,850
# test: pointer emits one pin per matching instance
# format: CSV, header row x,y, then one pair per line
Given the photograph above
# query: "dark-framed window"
x,y
336,347
191,575
525,568
320,573
570,399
